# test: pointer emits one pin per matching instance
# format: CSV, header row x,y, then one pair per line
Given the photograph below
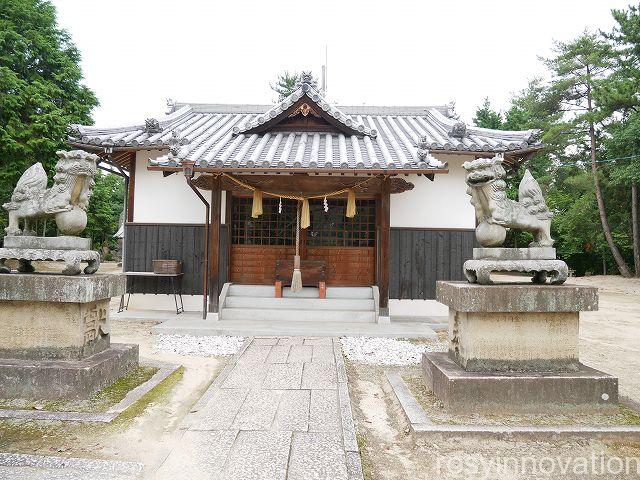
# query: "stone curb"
x,y
133,469
354,462
423,428
165,369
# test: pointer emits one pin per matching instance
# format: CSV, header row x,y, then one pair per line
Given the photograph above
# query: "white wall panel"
x,y
442,203
160,199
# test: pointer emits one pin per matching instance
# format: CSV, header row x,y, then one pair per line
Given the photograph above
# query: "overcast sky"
x,y
138,53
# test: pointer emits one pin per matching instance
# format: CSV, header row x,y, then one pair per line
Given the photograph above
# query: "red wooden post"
x,y
322,287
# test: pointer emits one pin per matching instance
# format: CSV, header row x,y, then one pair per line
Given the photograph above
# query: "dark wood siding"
x,y
146,242
420,257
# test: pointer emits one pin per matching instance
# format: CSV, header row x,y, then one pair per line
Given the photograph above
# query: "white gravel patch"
x,y
387,351
208,346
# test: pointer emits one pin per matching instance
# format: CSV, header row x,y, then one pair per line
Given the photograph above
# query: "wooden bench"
x,y
313,274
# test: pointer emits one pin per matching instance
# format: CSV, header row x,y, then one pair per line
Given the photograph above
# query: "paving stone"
x,y
300,354
320,376
293,411
278,354
290,341
283,376
323,354
258,410
255,354
317,456
318,341
258,456
265,341
324,412
220,411
246,376
198,456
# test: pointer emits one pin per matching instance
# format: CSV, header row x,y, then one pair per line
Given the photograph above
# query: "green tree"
x,y
285,84
578,67
40,90
105,208
619,95
487,117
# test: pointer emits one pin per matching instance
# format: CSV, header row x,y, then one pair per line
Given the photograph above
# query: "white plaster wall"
x,y
442,203
160,199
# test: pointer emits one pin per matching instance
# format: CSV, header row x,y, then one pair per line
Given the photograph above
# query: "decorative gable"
x,y
305,109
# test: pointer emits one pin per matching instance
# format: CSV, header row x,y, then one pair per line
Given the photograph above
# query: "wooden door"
x,y
346,245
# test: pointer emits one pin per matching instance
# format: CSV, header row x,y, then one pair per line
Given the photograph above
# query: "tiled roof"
x,y
230,136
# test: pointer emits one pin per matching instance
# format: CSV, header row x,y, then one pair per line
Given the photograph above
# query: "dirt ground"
x,y
147,434
609,341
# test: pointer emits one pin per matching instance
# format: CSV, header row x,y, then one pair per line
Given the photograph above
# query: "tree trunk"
x,y
622,266
634,227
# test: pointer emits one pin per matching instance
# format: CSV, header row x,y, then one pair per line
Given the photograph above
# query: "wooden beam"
x,y
214,245
131,187
384,242
304,185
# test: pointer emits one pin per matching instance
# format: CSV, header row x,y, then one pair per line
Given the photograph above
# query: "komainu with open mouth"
x,y
496,213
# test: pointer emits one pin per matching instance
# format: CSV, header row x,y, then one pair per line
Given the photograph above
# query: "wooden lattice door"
x,y
346,245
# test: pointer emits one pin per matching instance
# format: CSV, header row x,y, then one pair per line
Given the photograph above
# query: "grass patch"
x,y
367,464
158,394
99,402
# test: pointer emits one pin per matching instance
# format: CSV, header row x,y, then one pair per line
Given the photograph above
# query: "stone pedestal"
x,y
68,249
540,262
54,336
515,347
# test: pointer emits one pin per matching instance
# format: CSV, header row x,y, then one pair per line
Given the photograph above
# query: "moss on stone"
x,y
99,402
156,395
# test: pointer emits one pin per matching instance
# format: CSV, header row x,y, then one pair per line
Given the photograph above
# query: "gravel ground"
x,y
387,351
213,346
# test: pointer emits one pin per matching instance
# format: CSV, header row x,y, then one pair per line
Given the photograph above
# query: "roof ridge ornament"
x,y
308,78
152,125
347,123
451,110
425,156
459,130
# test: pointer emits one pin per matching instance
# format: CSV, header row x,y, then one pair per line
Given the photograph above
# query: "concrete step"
x,y
288,303
199,327
276,314
306,292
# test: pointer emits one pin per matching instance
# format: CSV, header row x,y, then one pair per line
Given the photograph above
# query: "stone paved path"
x,y
279,410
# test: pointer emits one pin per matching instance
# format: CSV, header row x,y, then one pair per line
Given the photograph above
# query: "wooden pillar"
x,y
384,246
131,187
214,245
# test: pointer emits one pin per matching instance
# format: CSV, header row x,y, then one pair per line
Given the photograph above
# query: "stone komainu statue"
x,y
66,201
495,213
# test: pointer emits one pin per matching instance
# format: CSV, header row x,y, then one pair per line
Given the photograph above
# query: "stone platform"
x,y
54,335
67,379
515,346
466,391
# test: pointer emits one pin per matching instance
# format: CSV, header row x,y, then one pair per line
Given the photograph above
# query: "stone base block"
x,y
462,391
52,317
68,379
